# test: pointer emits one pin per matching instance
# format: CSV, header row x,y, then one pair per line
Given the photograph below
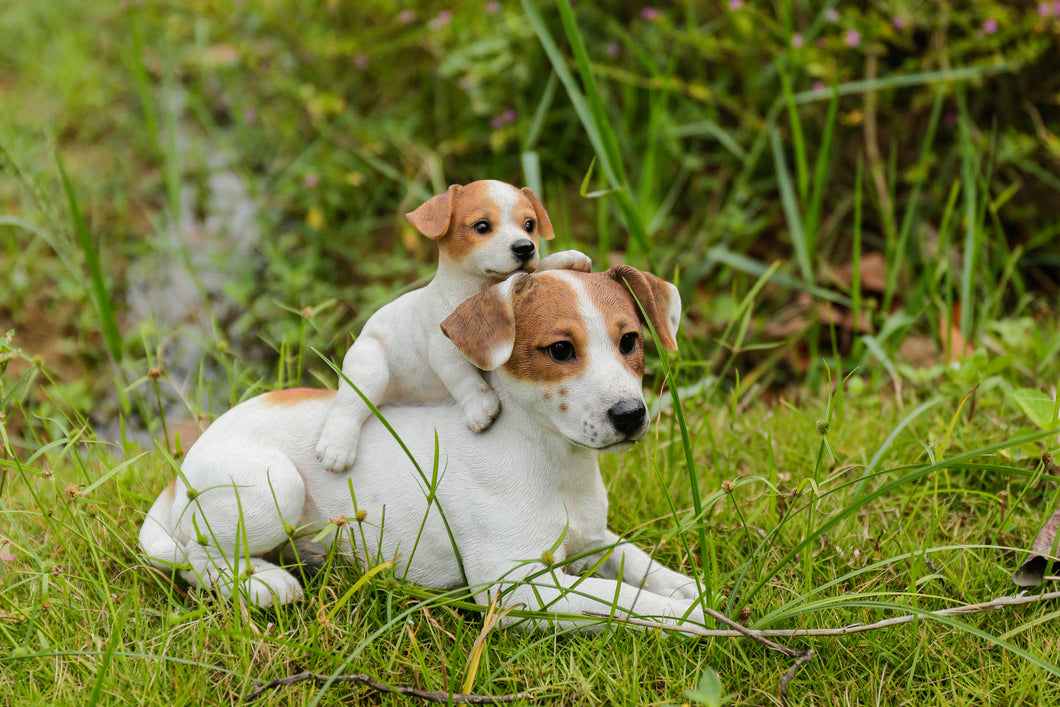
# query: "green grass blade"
x,y
789,201
104,307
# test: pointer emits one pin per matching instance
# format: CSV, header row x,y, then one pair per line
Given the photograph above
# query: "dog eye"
x,y
561,351
482,227
528,225
628,343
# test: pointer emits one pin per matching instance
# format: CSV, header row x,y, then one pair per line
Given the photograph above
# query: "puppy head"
x,y
569,347
487,229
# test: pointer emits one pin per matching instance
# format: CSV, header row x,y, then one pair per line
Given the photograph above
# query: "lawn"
x,y
203,202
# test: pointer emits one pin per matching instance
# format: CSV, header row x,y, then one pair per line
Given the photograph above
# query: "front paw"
x,y
667,583
566,260
481,411
337,448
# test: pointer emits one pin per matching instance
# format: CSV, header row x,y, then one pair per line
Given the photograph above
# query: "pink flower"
x,y
832,16
311,180
1045,9
818,85
852,38
990,26
649,13
406,17
493,8
250,116
898,22
496,122
613,50
735,5
797,41
509,115
360,61
441,20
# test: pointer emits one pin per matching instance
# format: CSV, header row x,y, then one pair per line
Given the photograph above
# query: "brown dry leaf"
x,y
1032,571
873,272
954,343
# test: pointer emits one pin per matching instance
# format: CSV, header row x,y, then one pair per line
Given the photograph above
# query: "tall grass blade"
x,y
104,307
789,201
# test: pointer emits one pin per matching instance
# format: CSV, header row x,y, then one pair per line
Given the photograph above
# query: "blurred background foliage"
x,y
879,180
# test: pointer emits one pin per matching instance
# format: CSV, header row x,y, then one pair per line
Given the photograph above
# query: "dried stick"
x,y
993,604
362,679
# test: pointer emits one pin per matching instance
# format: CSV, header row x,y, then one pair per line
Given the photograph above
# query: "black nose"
x,y
627,416
524,250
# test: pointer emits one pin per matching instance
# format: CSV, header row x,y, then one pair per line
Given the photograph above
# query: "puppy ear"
x,y
432,217
660,301
483,326
544,225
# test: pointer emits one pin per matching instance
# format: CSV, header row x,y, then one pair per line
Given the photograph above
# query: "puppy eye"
x,y
628,343
528,225
482,227
561,351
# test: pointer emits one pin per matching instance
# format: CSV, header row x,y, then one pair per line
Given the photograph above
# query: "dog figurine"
x,y
520,509
486,231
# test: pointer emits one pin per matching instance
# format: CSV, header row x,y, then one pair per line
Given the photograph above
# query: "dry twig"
x,y
362,679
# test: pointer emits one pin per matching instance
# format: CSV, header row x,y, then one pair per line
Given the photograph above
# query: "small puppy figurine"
x,y
486,231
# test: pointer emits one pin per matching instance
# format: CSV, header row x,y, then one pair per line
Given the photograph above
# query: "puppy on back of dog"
x,y
521,509
486,231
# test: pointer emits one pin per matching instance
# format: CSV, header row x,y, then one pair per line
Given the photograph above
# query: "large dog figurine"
x,y
520,509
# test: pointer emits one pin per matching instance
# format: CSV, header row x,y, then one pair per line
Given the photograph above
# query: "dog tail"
x,y
157,535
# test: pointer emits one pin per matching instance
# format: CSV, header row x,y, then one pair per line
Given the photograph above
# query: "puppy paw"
x,y
337,449
480,412
566,260
668,583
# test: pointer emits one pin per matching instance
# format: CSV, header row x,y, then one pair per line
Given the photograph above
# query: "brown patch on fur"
x,y
544,224
481,326
432,217
547,395
563,407
170,491
295,396
612,298
546,313
653,296
563,391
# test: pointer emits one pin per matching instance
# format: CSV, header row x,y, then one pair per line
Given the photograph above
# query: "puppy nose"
x,y
524,250
627,415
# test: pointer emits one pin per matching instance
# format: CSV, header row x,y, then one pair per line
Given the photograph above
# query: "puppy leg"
x,y
639,569
366,366
566,260
244,503
464,382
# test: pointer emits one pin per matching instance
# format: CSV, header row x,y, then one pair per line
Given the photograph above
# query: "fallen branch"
x,y
763,636
998,603
362,679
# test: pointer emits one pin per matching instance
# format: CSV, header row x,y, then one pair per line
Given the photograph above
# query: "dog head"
x,y
486,229
569,347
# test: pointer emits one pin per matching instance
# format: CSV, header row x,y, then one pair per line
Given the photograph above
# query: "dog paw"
x,y
480,412
337,451
270,586
566,260
667,583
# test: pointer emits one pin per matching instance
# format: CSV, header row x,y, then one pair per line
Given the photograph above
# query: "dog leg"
x,y
229,526
552,590
465,383
566,260
639,569
366,366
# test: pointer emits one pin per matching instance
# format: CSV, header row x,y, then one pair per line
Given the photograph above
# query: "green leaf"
x,y
709,691
1039,407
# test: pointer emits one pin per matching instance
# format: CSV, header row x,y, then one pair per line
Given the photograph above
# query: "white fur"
x,y
401,354
252,481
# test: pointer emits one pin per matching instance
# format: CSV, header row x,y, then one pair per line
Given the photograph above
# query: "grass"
x,y
868,486
875,517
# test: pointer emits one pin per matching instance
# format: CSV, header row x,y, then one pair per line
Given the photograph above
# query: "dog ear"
x,y
544,224
483,326
432,217
659,299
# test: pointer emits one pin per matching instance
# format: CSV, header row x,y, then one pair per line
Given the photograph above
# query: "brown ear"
x,y
659,300
432,217
544,224
483,326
